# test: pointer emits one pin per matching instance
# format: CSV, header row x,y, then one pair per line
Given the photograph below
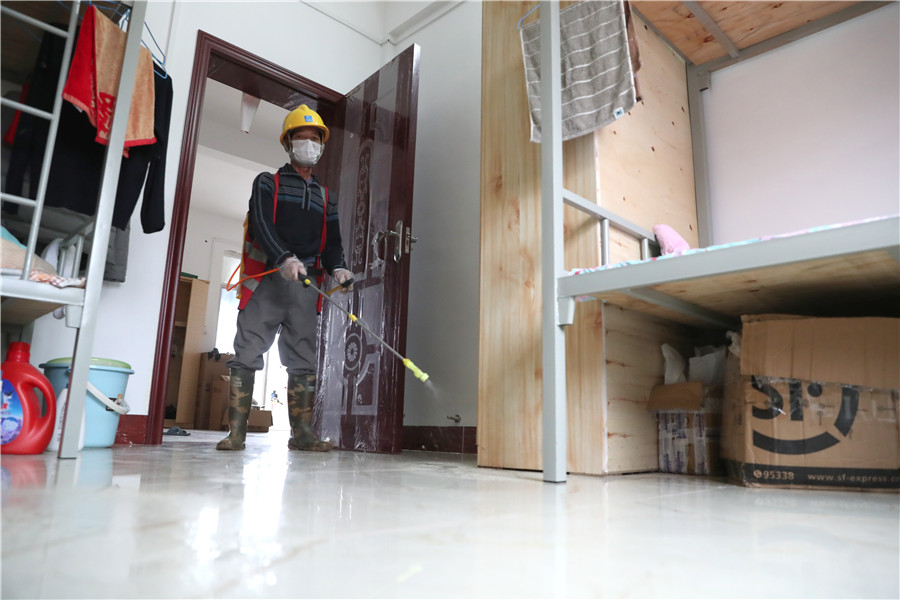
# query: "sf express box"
x,y
689,417
814,403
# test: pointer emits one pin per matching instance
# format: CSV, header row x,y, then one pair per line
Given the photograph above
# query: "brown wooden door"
x,y
360,394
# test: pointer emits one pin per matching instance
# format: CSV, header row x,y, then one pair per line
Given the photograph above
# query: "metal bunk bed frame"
x,y
82,304
559,290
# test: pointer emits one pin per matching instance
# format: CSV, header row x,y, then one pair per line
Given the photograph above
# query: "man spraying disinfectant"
x,y
292,227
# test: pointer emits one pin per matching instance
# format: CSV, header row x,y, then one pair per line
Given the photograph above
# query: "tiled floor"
x,y
184,521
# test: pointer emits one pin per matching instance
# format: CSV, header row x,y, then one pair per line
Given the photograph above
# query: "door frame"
x,y
262,78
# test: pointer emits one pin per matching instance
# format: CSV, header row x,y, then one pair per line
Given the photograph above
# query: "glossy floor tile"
x,y
182,520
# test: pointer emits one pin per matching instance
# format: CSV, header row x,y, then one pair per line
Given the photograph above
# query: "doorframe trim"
x,y
207,46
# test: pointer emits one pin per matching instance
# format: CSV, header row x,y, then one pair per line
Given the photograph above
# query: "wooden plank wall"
x,y
509,382
510,369
634,364
644,161
645,174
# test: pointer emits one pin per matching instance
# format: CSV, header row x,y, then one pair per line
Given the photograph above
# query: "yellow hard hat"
x,y
303,116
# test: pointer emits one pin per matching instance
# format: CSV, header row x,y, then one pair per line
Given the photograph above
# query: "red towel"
x,y
93,80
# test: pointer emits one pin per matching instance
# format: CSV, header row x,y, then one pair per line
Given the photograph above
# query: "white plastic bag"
x,y
675,365
708,366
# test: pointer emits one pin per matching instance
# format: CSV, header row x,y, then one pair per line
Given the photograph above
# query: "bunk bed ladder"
x,y
558,311
38,202
85,310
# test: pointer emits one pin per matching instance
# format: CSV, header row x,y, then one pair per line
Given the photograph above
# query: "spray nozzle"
x,y
419,373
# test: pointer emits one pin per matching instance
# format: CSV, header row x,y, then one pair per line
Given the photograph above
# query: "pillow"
x,y
669,240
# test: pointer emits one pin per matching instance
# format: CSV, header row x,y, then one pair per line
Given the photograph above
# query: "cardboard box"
x,y
210,370
690,418
814,403
259,422
218,403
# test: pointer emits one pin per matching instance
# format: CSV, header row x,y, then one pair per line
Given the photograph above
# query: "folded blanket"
x,y
597,77
93,80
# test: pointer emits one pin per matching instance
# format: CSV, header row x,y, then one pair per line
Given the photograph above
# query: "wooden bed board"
x,y
857,274
744,23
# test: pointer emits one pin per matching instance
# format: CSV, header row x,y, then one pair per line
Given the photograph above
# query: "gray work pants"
x,y
276,303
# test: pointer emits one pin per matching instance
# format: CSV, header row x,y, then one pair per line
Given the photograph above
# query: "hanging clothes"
x,y
30,138
93,80
598,83
78,163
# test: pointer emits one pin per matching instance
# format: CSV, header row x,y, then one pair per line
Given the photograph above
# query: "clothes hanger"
x,y
157,62
522,20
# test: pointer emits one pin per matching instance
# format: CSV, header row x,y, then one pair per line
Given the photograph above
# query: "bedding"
x,y
13,259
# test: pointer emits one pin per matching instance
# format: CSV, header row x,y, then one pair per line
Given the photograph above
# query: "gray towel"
x,y
597,78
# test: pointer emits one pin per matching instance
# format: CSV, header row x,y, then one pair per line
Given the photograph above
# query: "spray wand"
x,y
419,373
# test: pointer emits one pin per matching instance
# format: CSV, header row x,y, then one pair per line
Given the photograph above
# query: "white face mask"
x,y
306,153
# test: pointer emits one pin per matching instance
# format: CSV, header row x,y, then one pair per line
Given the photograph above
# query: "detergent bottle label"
x,y
10,414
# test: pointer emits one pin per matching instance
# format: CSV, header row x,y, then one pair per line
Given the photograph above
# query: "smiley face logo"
x,y
843,421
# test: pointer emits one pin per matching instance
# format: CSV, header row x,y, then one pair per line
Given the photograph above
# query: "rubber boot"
x,y
240,396
301,393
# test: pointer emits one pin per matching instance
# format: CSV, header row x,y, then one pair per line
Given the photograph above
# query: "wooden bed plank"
x,y
868,282
17,311
745,23
634,364
857,285
749,23
644,160
510,363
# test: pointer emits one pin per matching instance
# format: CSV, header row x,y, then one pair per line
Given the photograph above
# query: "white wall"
x,y
443,299
809,134
443,290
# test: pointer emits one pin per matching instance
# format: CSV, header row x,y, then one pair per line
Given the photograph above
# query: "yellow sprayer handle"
x,y
419,373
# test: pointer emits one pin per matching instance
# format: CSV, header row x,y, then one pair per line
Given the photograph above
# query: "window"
x,y
226,325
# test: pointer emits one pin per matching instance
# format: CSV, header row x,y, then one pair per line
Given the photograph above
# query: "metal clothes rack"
x,y
83,304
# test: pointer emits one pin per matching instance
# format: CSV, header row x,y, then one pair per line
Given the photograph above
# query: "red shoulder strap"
x,y
275,198
324,220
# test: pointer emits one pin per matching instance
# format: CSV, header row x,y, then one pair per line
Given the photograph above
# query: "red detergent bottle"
x,y
23,429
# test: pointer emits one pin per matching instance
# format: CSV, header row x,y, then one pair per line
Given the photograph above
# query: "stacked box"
x,y
211,369
689,416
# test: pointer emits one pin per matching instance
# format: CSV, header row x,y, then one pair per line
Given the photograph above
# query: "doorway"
x,y
371,159
220,61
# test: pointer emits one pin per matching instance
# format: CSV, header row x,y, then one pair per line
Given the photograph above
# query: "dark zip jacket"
x,y
296,228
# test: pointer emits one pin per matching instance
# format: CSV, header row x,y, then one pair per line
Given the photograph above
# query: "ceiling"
x,y
704,32
228,158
